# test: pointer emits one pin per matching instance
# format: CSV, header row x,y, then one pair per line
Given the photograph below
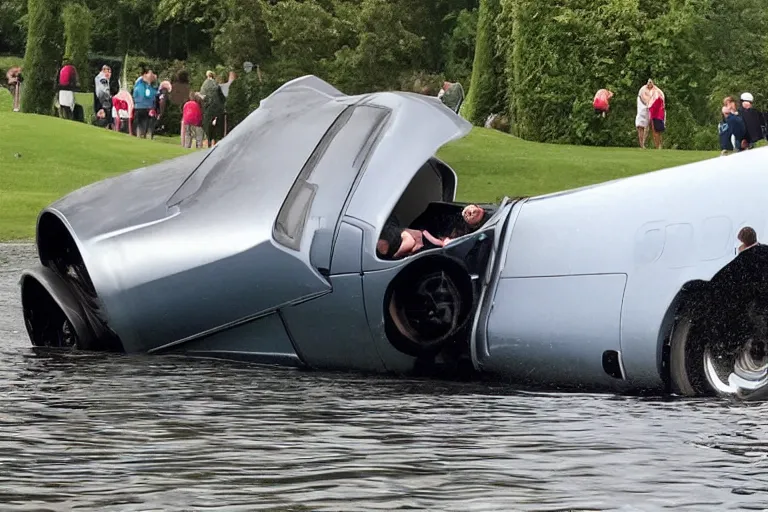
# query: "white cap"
x,y
747,97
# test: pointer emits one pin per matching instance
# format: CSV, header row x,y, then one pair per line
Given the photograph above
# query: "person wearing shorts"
x,y
658,117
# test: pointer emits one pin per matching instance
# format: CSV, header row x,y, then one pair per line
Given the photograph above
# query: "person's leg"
x,y
142,116
198,137
641,136
187,137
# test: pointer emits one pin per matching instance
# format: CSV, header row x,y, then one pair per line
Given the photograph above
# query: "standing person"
x,y
658,115
162,100
15,79
67,86
144,104
643,117
753,120
601,102
213,109
102,101
192,118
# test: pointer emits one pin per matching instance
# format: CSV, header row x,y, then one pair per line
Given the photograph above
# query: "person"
x,y
754,121
658,116
731,130
225,85
213,108
162,99
14,79
748,238
102,97
643,117
192,117
601,102
144,103
67,86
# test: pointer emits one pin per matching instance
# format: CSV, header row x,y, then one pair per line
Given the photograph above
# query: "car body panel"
x,y
660,229
181,250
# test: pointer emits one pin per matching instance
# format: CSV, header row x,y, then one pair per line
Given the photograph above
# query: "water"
x,y
94,432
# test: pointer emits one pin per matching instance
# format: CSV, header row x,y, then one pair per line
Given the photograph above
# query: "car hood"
x,y
239,170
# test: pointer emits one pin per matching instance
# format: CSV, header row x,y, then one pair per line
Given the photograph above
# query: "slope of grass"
x,y
491,164
43,158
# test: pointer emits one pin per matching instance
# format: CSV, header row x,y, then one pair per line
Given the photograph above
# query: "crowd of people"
x,y
741,128
141,112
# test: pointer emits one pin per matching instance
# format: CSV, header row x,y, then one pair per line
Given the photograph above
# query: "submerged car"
x,y
264,248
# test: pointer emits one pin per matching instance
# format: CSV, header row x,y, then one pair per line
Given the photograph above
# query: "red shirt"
x,y
601,100
192,113
657,108
68,75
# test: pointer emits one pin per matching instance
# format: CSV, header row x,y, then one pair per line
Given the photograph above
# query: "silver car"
x,y
264,248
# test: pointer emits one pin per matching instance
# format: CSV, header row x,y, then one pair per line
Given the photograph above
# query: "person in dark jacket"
x,y
732,131
753,120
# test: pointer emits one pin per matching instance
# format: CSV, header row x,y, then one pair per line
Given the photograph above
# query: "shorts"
x,y
658,125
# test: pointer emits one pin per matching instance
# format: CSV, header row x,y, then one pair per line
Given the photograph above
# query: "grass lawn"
x,y
43,158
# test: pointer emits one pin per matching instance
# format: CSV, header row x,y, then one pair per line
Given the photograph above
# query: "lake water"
x,y
93,432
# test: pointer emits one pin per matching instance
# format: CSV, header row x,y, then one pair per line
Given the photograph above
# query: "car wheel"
x,y
733,363
427,305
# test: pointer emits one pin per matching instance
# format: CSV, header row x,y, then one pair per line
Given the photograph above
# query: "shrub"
x,y
42,56
78,22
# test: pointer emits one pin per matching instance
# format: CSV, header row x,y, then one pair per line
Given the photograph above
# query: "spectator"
x,y
731,131
601,102
67,86
213,109
643,117
102,97
658,116
162,100
753,121
225,85
144,104
14,78
192,119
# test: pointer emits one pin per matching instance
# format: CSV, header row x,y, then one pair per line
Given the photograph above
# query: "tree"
x,y
78,22
42,57
486,94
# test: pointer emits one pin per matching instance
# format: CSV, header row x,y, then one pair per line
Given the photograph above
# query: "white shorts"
x,y
643,118
67,99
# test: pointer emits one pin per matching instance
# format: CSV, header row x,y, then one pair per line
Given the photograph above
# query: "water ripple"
x,y
95,432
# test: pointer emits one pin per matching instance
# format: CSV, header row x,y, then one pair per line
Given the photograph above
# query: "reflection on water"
x,y
156,433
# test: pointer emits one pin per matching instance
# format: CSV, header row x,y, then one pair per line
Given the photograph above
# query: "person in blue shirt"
x,y
144,93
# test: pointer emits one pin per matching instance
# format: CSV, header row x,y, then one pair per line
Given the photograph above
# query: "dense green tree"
x,y
487,92
42,57
78,22
459,47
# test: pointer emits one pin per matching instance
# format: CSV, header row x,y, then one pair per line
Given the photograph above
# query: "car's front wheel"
x,y
728,357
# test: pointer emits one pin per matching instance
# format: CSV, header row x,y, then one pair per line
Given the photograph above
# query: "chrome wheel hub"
x,y
738,373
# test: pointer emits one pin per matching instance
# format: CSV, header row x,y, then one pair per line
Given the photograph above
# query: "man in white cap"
x,y
753,119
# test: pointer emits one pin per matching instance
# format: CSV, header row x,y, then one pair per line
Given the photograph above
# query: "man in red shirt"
x,y
658,116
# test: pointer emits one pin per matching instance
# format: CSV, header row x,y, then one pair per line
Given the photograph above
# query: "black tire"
x,y
686,358
427,304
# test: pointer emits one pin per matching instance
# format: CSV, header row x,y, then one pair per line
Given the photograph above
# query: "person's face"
x,y
649,85
108,73
746,104
472,214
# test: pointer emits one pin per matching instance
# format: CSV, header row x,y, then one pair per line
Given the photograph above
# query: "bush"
x,y
238,103
486,93
42,57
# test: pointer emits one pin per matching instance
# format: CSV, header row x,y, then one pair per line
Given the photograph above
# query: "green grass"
x,y
491,164
58,156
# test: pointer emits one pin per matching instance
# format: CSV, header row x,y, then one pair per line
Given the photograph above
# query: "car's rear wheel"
x,y
731,362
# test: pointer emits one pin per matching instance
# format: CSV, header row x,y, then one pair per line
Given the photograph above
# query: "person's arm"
x,y
406,246
431,238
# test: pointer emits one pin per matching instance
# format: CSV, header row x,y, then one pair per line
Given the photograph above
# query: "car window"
x,y
318,196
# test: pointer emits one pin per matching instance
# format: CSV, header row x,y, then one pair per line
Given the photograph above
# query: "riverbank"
x,y
43,158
